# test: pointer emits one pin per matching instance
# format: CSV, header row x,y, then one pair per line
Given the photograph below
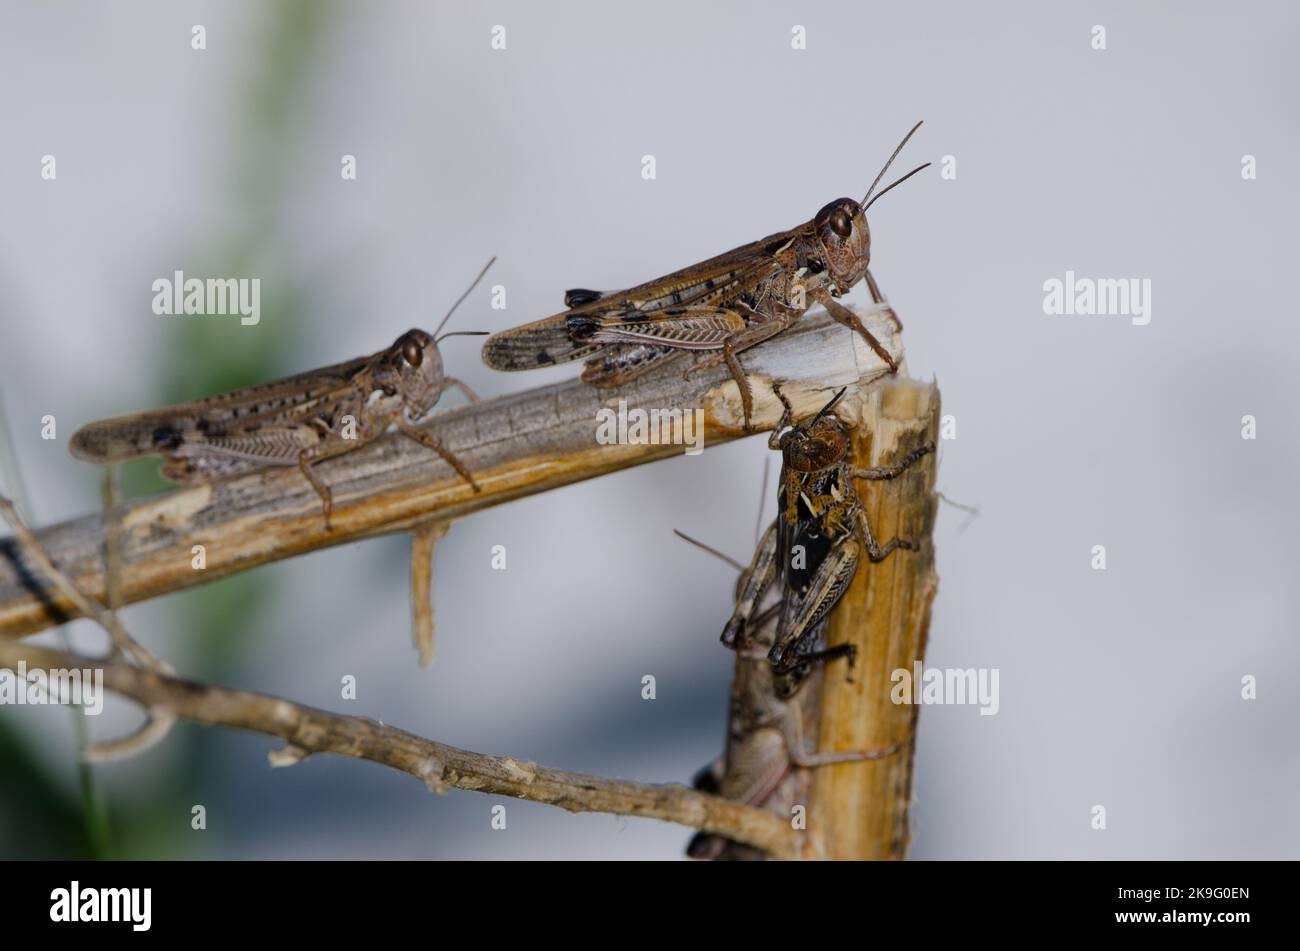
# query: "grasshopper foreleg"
x,y
880,552
876,552
787,417
893,469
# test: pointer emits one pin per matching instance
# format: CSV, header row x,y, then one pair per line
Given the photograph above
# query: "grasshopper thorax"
x,y
845,240
412,367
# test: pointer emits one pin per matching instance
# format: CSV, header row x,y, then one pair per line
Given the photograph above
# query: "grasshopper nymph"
x,y
814,546
298,420
766,761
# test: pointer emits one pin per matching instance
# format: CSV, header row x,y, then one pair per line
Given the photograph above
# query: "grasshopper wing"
x,y
164,431
803,612
540,344
639,342
556,339
695,327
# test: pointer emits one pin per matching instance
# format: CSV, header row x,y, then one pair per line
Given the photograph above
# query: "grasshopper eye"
x,y
412,353
840,222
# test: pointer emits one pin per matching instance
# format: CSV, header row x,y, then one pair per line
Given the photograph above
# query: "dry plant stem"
x,y
34,553
515,445
860,810
308,730
424,539
113,557
157,723
123,644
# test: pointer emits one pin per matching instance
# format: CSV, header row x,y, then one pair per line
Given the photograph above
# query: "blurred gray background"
x,y
1119,688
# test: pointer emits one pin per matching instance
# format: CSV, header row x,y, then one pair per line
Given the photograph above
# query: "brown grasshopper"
x,y
814,545
765,762
298,420
726,304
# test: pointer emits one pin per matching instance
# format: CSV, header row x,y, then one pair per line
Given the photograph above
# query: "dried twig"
x,y
34,552
424,539
307,730
157,723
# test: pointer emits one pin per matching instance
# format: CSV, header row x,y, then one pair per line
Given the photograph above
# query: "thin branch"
x,y
308,730
34,553
424,539
122,645
515,445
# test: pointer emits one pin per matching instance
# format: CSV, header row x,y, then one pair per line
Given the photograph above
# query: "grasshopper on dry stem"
x,y
813,547
298,420
765,762
723,306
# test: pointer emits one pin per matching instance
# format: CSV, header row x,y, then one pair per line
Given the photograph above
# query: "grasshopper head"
x,y
846,241
413,365
842,227
817,443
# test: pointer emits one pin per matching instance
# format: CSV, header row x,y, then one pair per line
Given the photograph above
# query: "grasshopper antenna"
x,y
460,300
890,188
829,406
972,511
867,199
762,498
712,551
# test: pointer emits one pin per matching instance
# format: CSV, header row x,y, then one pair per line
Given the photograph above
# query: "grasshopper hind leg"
x,y
750,335
751,587
327,449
